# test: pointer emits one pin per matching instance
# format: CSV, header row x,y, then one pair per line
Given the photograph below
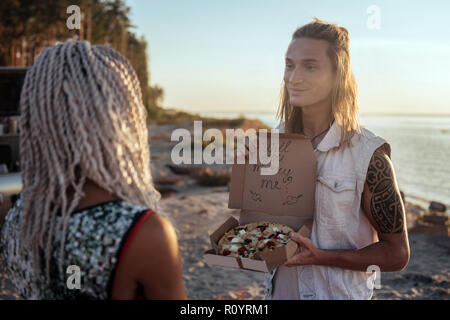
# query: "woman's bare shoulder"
x,y
156,235
155,259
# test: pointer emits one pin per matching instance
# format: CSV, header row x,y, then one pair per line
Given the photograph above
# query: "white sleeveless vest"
x,y
339,222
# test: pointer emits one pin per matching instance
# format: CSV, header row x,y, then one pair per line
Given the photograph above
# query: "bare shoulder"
x,y
158,223
156,235
153,262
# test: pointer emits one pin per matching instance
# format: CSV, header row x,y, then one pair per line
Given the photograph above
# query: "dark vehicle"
x,y
11,81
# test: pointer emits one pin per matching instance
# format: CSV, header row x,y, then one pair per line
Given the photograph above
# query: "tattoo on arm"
x,y
385,203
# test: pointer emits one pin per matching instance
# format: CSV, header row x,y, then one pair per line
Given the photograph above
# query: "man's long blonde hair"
x,y
344,93
82,117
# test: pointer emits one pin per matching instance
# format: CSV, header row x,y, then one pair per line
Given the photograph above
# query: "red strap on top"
x,y
132,234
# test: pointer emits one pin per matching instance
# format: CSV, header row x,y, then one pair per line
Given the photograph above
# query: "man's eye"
x,y
289,66
310,67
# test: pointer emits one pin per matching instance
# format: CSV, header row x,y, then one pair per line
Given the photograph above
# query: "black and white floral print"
x,y
94,240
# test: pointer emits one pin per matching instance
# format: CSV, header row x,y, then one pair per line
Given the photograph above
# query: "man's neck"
x,y
317,118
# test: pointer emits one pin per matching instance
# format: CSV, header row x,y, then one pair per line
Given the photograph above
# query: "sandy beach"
x,y
196,211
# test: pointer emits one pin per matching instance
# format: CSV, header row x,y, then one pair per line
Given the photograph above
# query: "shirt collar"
x,y
331,139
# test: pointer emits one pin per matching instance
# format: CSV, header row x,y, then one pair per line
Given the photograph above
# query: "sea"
x,y
420,151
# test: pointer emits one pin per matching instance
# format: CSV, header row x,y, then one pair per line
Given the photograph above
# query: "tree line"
x,y
27,26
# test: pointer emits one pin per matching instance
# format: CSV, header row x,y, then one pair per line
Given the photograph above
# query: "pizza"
x,y
249,239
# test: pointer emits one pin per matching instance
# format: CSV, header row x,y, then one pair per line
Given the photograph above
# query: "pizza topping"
x,y
246,241
267,233
236,240
235,248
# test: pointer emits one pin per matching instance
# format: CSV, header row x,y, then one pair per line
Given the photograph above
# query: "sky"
x,y
228,55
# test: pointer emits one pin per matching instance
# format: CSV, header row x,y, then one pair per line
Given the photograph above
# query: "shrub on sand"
x,y
166,180
208,177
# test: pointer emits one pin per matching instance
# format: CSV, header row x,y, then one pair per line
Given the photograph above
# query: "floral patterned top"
x,y
94,241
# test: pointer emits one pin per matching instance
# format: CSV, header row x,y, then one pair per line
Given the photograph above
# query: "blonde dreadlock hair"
x,y
82,117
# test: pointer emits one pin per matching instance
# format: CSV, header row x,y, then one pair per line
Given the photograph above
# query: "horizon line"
x,y
361,114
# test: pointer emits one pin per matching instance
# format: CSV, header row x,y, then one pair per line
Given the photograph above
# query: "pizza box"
x,y
286,197
269,260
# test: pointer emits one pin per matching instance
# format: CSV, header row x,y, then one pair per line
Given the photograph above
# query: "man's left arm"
x,y
383,206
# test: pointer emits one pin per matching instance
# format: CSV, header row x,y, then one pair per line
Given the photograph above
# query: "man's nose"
x,y
296,76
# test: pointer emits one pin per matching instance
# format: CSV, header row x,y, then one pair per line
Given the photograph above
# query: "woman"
x,y
359,218
88,203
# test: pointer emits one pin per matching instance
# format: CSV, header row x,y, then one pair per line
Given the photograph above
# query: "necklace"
x,y
319,133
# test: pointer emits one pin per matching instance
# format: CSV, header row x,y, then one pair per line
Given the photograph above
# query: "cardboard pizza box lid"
x,y
286,197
